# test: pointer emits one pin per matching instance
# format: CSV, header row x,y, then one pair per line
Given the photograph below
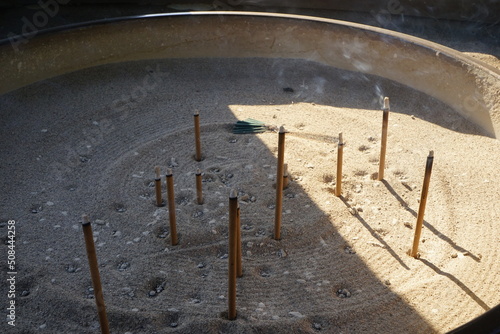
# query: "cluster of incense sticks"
x,y
282,181
383,148
170,200
170,183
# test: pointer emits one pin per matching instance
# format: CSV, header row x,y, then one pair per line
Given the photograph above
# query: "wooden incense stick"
x,y
340,154
199,191
279,183
171,207
285,176
197,138
383,147
233,216
94,273
423,201
239,268
159,200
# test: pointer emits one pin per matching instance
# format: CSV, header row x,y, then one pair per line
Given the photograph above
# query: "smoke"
x,y
379,93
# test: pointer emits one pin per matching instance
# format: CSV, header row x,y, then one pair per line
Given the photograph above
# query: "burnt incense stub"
x,y
199,185
233,253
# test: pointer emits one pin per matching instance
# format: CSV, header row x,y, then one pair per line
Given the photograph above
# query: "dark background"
x,y
461,24
479,11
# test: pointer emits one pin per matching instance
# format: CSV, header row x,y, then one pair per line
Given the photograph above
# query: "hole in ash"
x,y
155,286
119,207
343,293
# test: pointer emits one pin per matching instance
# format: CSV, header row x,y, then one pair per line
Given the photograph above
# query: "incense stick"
x,y
340,150
423,201
383,146
159,200
197,138
233,212
285,176
94,273
171,207
239,268
199,192
279,183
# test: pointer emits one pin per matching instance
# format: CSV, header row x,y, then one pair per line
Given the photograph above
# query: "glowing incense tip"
x,y
85,220
431,154
233,194
386,103
169,172
157,172
282,129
